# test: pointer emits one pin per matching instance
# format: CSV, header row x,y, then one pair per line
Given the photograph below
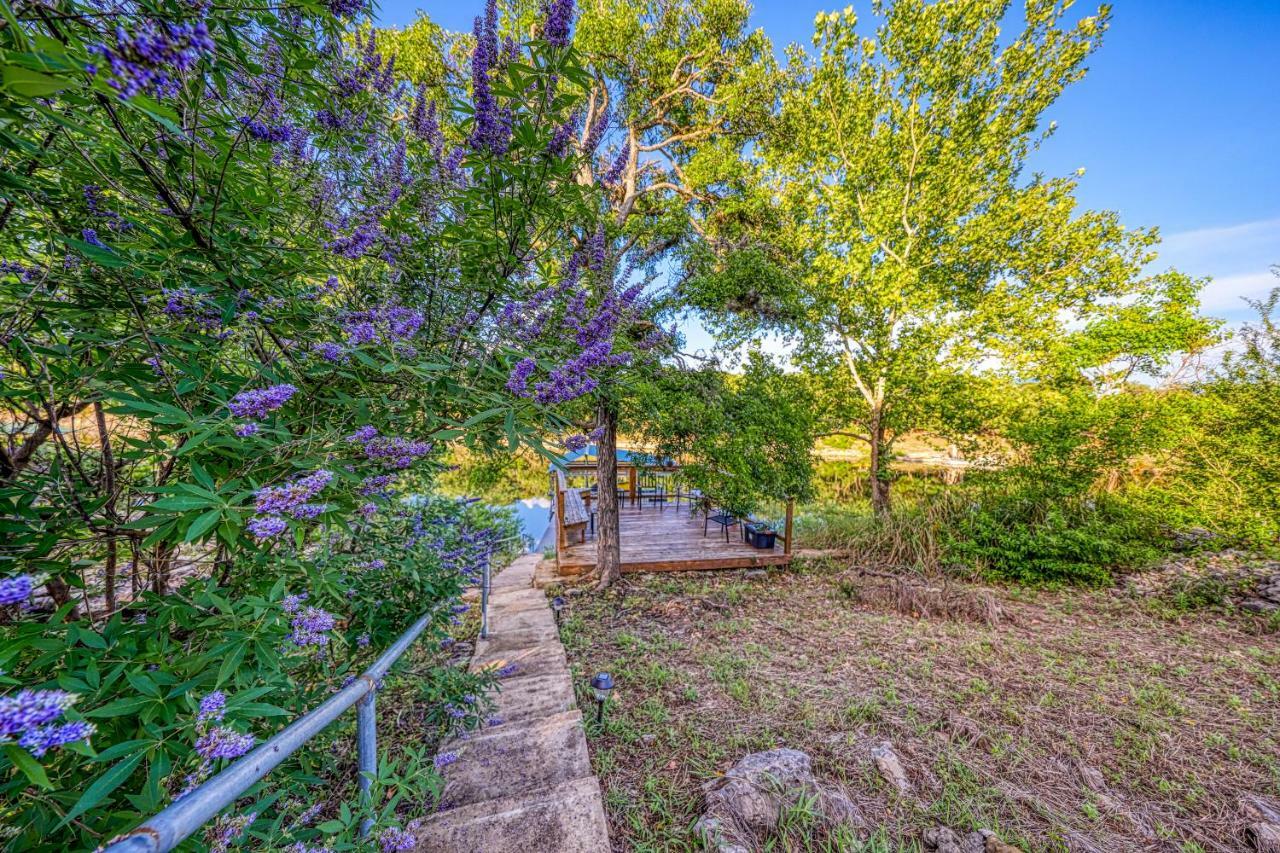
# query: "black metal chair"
x,y
722,518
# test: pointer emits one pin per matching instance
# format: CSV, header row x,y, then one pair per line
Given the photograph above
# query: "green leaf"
x,y
180,503
27,763
120,707
32,84
102,786
203,525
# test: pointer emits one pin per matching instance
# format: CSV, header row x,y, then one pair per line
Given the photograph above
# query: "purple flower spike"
x,y
559,23
29,709
396,840
258,402
15,590
518,381
311,627
222,742
212,706
41,740
267,527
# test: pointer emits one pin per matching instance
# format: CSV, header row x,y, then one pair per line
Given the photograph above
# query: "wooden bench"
x,y
574,516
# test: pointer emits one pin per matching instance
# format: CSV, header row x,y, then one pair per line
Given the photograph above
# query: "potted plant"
x,y
763,536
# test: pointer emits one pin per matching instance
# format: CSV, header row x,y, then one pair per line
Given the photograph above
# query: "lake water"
x,y
534,515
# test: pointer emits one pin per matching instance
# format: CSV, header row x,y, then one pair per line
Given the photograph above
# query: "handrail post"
x,y
791,511
484,600
367,751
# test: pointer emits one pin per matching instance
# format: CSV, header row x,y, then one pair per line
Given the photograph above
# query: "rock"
x,y
1259,605
750,793
756,574
1263,829
1193,537
747,803
712,832
995,845
890,767
942,839
837,809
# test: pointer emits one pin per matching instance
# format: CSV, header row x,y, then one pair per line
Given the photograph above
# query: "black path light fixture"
x,y
557,607
601,685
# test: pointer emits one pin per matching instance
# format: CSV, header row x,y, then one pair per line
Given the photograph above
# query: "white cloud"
x,y
1237,257
1225,239
1227,294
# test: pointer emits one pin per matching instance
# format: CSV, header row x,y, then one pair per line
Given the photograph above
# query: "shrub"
x,y
1022,538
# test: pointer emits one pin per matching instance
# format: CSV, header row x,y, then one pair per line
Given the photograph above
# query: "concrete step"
x,y
522,620
506,640
568,818
545,659
533,696
518,575
517,758
515,600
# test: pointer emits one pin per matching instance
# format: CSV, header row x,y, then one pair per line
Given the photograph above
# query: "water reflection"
x,y
534,515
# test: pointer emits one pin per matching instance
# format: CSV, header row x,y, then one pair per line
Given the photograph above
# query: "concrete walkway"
x,y
524,786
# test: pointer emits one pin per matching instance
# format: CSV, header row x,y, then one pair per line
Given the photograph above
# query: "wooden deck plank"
x,y
667,539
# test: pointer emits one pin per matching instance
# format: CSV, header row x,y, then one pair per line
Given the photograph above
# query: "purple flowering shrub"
x,y
249,291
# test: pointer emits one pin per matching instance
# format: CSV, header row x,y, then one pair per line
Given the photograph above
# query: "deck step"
x,y
517,758
567,818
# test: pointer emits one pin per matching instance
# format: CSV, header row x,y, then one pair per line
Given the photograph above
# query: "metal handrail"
x,y
170,827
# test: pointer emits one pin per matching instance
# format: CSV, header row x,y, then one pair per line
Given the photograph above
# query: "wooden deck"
x,y
669,539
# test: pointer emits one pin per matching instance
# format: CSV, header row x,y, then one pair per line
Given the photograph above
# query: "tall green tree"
x,y
677,92
898,237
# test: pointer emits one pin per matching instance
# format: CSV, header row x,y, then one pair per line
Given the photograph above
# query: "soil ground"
x,y
1072,720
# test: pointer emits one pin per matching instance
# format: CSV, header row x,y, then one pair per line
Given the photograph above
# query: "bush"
x,y
1022,538
272,645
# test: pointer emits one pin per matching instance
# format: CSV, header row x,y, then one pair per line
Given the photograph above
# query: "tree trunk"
x,y
878,474
60,592
608,540
108,486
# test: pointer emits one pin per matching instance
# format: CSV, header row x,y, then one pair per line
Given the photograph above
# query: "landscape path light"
x,y
557,607
601,685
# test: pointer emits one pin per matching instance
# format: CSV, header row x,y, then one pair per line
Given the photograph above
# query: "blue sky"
x,y
1177,125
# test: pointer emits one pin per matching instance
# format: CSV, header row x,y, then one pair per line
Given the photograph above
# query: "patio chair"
x,y
722,518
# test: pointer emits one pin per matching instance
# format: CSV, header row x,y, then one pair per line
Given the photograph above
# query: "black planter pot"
x,y
761,537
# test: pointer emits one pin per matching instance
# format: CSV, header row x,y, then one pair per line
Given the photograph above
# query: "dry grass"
x,y
1062,720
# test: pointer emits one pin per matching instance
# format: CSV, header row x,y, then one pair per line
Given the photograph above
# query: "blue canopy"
x,y
587,456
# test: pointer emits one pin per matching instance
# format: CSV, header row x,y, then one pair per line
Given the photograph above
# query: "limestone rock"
x,y
942,839
1263,828
713,834
890,767
747,803
752,792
